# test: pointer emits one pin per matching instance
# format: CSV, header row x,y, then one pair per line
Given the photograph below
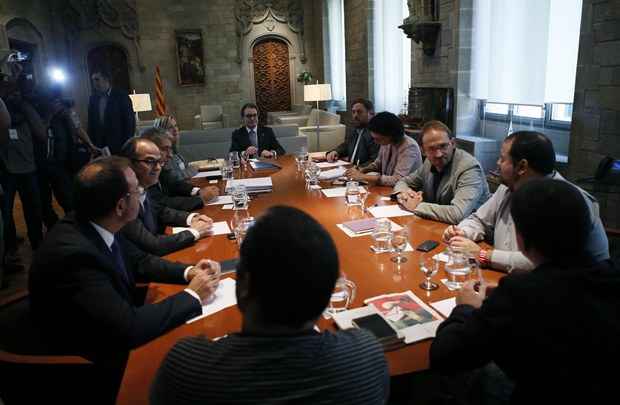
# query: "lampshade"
x,y
141,102
317,92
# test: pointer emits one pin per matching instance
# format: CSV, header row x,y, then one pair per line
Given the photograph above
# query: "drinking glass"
x,y
233,157
312,173
458,270
382,235
363,197
240,197
352,194
342,296
227,170
399,243
301,158
242,229
429,266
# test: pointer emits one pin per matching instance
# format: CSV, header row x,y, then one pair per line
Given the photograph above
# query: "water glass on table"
x,y
233,158
429,266
399,243
312,173
240,197
227,170
352,194
382,236
458,270
342,296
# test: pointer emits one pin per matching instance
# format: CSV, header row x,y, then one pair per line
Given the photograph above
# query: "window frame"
x,y
545,121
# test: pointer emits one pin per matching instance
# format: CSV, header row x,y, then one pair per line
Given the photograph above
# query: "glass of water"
x,y
233,158
227,170
342,296
429,266
399,243
352,194
458,270
312,173
240,197
363,197
301,158
241,229
382,236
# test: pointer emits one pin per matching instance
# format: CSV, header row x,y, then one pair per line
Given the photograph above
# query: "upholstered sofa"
x,y
331,132
301,112
215,142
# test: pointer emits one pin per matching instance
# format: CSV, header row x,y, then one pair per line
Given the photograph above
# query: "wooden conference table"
x,y
374,274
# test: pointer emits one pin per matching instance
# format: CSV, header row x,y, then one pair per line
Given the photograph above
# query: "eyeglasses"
x,y
151,162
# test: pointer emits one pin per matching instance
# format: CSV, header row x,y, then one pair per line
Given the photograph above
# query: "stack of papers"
x,y
221,200
255,185
263,165
207,164
339,192
388,211
213,173
361,225
332,174
219,228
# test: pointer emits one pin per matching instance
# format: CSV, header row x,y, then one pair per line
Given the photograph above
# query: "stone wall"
x,y
595,129
358,54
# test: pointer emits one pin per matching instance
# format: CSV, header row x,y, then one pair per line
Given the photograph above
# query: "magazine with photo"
x,y
410,317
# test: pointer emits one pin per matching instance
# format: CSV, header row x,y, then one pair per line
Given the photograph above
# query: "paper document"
x,y
223,297
445,307
227,207
332,174
442,257
328,165
213,173
256,184
338,192
222,199
219,228
387,211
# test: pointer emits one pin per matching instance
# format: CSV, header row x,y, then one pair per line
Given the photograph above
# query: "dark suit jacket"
x,y
82,302
180,199
554,331
266,140
159,244
119,122
367,149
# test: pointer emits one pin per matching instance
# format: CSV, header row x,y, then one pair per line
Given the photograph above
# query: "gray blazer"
x,y
462,189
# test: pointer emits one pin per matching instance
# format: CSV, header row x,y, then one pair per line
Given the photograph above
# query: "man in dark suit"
x,y
553,330
254,139
358,147
82,280
174,191
111,120
147,230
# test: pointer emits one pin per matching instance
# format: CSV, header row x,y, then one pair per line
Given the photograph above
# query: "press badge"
x,y
13,135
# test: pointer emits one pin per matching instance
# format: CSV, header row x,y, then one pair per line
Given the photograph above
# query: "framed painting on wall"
x,y
190,57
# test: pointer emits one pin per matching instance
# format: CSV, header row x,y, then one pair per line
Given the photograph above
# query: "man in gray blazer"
x,y
450,184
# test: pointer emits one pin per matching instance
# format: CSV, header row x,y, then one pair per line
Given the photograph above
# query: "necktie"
x,y
119,261
253,138
147,216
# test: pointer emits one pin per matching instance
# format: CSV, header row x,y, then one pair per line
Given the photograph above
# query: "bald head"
x,y
99,186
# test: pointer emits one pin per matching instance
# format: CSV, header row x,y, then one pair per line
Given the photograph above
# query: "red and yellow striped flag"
x,y
160,101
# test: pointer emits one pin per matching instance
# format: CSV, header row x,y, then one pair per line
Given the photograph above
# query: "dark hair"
x,y
368,105
287,247
435,125
552,217
534,147
101,72
99,186
248,105
130,148
387,124
155,135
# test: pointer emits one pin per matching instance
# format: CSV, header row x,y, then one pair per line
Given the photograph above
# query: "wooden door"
x,y
271,77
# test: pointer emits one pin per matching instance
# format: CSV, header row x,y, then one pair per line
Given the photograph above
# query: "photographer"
x,y
17,159
53,157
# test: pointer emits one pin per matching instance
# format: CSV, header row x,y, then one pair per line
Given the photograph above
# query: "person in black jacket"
x,y
173,191
82,281
358,147
111,120
555,330
253,138
147,230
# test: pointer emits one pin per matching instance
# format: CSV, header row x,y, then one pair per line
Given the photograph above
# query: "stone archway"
x,y
113,59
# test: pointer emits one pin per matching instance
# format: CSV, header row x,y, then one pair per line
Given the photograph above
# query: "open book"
x,y
411,319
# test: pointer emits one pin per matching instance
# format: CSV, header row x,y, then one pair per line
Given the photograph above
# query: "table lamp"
x,y
140,103
317,92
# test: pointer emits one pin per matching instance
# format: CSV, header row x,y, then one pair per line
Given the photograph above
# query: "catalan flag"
x,y
160,100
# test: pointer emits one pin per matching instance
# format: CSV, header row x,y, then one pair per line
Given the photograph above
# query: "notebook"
x,y
361,225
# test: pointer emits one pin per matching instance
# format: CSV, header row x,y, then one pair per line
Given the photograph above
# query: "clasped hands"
x,y
204,278
253,150
409,199
202,224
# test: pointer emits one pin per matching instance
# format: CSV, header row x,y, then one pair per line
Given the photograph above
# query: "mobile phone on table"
x,y
375,324
427,246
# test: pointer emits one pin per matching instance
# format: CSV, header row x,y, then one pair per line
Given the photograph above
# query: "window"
x,y
528,111
561,112
496,108
557,115
334,60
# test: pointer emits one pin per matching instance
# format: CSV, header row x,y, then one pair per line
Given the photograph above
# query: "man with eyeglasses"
x,y
450,184
82,283
254,139
147,230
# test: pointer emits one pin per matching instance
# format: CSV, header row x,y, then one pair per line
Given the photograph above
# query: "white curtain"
x,y
335,73
525,52
391,56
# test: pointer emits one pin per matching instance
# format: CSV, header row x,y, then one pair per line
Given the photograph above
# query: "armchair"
x,y
211,116
299,113
331,132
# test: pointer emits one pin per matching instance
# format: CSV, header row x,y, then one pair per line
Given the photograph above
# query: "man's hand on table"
x,y
209,193
464,245
202,224
332,156
409,199
204,278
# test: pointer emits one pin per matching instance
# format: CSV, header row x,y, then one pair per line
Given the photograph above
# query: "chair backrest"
x,y
210,113
301,109
323,118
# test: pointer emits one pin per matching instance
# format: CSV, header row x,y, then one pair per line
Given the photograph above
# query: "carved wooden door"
x,y
271,77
